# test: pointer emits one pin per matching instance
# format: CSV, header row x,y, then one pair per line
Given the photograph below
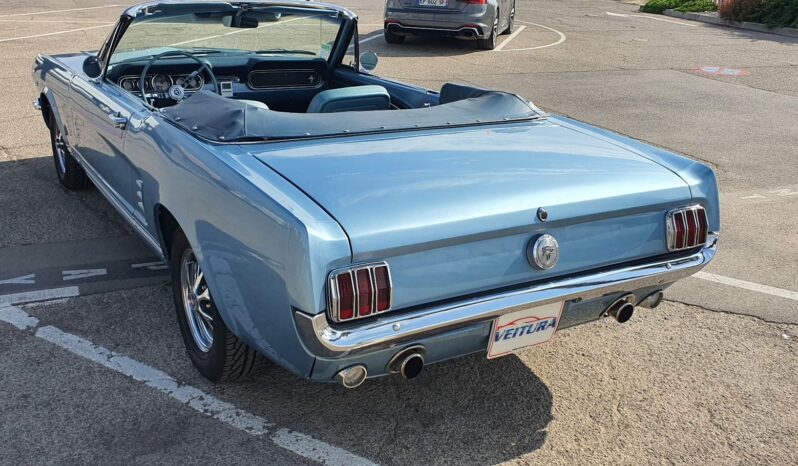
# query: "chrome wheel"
x,y
196,301
60,151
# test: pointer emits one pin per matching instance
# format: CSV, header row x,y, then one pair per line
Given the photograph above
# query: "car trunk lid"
x,y
453,210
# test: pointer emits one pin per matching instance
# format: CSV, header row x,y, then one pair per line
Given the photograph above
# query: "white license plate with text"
x,y
433,2
521,329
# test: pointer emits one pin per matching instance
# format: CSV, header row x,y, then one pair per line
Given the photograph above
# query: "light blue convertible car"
x,y
347,226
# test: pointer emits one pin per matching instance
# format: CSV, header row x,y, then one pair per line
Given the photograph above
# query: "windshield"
x,y
263,31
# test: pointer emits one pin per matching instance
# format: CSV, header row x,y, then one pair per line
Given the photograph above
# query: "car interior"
x,y
286,85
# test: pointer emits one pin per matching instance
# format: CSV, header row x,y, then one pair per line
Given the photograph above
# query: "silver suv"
x,y
480,20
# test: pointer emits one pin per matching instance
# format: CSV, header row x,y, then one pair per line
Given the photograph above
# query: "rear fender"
x,y
699,177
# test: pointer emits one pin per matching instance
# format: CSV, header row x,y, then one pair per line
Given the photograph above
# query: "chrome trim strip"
x,y
389,330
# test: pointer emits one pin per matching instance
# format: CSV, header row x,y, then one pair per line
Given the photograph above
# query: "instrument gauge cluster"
x,y
160,83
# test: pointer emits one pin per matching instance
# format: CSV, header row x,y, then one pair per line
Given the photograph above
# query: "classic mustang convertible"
x,y
347,226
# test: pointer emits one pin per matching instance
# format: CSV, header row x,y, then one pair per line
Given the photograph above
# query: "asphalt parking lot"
x,y
93,370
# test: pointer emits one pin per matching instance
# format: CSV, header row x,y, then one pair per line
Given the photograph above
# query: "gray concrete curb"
x,y
713,18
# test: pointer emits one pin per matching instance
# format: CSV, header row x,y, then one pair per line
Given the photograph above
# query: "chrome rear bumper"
x,y
326,341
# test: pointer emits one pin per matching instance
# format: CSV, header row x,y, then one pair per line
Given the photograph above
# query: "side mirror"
x,y
91,67
368,61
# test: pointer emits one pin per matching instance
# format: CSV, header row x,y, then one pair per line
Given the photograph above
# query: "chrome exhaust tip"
x,y
352,377
653,300
622,313
409,362
622,309
411,366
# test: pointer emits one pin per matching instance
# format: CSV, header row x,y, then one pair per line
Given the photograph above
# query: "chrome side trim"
x,y
388,330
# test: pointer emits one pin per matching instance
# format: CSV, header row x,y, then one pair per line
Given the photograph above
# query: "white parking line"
x,y
39,295
82,273
29,279
9,39
370,38
558,42
202,402
625,15
508,39
751,286
59,11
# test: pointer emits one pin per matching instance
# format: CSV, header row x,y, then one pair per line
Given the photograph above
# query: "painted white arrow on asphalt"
x,y
23,280
85,273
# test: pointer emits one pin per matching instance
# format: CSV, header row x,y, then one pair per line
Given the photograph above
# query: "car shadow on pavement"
x,y
465,411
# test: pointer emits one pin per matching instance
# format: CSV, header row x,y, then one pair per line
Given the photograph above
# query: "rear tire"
x,y
216,352
490,42
392,38
510,21
70,174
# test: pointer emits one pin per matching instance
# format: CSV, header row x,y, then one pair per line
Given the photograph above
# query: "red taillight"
x,y
687,228
383,288
475,2
678,221
365,291
346,296
359,291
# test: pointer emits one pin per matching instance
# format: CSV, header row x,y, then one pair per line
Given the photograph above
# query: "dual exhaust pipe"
x,y
409,363
624,308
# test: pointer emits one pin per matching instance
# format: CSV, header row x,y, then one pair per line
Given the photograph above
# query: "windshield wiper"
x,y
283,51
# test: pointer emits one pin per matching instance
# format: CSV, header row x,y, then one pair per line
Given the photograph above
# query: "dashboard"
x,y
160,83
283,83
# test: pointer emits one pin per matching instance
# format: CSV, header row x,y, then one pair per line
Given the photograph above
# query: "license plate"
x,y
521,329
433,2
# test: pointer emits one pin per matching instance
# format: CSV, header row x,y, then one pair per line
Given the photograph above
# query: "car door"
x,y
100,120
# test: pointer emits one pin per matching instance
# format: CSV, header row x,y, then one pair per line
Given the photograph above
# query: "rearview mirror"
x,y
91,67
241,20
368,61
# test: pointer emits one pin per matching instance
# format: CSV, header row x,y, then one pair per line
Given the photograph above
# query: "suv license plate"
x,y
521,329
433,2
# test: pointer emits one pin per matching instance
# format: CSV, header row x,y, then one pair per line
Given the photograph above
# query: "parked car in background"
x,y
479,20
348,226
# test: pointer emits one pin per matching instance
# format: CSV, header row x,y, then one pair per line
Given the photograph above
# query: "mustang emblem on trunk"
x,y
543,252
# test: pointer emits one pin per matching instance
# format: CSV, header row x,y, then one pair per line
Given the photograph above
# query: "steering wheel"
x,y
177,92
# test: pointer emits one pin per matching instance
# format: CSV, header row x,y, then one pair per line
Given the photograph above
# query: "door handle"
x,y
117,120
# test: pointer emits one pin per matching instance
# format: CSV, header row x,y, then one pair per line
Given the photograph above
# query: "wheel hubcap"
x,y
60,151
196,301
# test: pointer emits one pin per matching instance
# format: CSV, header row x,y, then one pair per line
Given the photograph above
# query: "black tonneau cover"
x,y
218,118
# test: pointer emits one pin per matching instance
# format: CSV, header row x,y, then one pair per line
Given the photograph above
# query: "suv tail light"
x,y
359,291
478,2
686,227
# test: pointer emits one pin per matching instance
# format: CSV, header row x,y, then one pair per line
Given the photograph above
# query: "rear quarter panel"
x,y
264,247
699,177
